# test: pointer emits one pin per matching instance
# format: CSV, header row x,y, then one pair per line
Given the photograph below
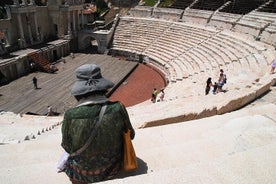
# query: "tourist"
x,y
154,95
50,111
161,95
273,66
72,55
35,82
220,83
103,157
209,84
224,76
52,68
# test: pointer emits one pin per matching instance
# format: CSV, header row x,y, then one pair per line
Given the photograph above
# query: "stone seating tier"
x,y
167,13
269,35
204,14
260,17
195,59
241,90
269,7
140,11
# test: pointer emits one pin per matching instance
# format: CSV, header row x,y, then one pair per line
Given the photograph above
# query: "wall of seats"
x,y
189,53
194,45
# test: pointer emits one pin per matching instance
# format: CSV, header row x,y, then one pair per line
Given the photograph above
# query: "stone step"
x,y
234,147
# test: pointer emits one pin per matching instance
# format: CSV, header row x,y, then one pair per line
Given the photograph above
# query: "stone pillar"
x,y
82,19
74,21
36,27
29,28
8,10
62,50
32,2
69,32
2,42
22,37
2,50
6,33
77,20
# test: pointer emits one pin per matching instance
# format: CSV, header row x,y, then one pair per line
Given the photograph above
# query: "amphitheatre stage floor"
x,y
19,96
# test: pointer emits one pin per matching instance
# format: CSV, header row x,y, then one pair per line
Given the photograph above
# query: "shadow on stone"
x,y
142,169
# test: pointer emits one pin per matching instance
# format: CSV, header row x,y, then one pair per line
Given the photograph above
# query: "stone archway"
x,y
98,38
88,41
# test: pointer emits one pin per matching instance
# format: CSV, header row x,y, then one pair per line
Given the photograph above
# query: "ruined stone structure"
x,y
28,24
45,32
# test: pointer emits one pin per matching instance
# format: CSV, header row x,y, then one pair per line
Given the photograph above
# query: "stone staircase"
x,y
196,151
41,61
237,147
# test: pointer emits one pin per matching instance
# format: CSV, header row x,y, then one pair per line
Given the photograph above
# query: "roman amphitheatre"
x,y
190,137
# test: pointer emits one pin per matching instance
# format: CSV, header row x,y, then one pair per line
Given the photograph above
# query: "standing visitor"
x,y
224,76
162,95
35,82
220,83
154,95
273,66
50,111
103,157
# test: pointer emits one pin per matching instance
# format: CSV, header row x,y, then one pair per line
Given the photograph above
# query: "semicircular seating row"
x,y
188,54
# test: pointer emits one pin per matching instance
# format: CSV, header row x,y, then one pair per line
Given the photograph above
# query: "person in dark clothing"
x,y
103,158
35,82
209,84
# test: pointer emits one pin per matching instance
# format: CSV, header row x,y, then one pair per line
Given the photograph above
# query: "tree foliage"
x,y
4,2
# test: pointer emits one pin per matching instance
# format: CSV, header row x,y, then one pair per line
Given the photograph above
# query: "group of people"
x,y
157,96
217,86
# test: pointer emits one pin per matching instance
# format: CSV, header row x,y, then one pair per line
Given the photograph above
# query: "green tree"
x,y
3,3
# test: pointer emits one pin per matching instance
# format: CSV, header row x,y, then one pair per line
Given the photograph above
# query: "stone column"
x,y
62,50
29,28
22,37
82,19
2,44
36,27
6,33
32,2
74,21
77,20
2,50
8,10
69,32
